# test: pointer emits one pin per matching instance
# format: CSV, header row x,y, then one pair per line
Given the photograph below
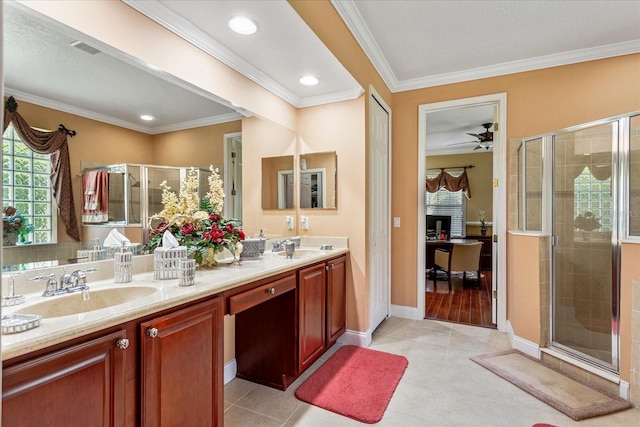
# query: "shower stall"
x,y
582,186
135,194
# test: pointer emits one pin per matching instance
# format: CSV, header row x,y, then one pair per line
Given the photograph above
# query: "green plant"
x,y
483,223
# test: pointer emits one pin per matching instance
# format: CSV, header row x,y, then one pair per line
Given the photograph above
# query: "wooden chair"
x,y
462,257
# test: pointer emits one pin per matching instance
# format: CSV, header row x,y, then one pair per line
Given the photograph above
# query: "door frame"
x,y
500,208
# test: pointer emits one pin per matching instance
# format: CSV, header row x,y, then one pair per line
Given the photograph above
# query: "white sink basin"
x,y
74,304
302,253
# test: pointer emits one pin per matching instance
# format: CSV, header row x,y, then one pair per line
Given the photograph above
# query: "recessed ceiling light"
x,y
309,80
243,25
147,117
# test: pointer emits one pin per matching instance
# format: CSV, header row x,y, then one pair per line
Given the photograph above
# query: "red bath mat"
x,y
355,382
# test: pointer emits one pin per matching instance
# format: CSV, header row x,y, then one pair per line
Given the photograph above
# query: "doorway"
x,y
492,277
233,175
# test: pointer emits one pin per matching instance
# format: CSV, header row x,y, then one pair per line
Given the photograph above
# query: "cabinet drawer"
x,y
248,299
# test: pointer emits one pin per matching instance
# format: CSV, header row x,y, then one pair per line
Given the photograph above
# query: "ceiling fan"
x,y
485,139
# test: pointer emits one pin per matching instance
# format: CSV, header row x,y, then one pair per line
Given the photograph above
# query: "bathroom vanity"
x,y
158,360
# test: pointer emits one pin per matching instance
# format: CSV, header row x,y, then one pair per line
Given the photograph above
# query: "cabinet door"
x,y
311,312
81,385
336,299
182,367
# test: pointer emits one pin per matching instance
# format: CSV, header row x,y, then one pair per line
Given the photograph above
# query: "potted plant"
x,y
483,222
14,227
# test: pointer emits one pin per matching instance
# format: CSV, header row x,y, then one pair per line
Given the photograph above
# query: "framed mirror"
x,y
318,173
277,183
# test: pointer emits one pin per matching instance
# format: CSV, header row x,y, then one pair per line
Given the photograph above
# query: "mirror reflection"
x,y
318,180
277,183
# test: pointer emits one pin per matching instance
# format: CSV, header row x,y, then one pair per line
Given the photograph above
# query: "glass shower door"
x,y
585,252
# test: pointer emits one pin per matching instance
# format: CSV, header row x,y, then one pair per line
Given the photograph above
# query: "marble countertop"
x,y
208,282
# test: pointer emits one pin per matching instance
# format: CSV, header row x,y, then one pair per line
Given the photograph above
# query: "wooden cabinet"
x,y
170,377
181,367
336,299
312,306
83,385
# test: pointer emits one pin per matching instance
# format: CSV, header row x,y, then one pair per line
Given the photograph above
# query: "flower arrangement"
x,y
14,225
197,223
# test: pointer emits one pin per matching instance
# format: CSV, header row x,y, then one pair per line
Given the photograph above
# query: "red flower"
x,y
187,228
160,228
214,217
241,234
229,227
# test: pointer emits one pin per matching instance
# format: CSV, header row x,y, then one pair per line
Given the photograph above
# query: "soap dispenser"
x,y
122,269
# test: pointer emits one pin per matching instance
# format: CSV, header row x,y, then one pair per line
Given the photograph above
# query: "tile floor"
x,y
441,387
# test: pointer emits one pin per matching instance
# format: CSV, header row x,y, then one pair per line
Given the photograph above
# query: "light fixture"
x,y
243,25
147,117
309,80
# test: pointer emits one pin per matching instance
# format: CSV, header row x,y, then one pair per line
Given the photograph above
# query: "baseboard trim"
x,y
230,369
405,312
360,339
525,346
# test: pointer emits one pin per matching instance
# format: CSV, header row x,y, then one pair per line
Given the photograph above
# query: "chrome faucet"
x,y
69,283
278,245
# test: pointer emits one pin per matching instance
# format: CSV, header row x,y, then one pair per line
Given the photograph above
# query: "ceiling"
x,y
412,44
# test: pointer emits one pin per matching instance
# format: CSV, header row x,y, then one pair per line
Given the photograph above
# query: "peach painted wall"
x,y
630,271
339,127
523,274
537,102
198,147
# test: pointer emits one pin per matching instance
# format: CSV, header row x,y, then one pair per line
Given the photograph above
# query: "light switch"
x,y
290,222
396,221
304,222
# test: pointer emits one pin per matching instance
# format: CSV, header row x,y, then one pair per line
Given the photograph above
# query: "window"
x,y
26,185
453,204
593,199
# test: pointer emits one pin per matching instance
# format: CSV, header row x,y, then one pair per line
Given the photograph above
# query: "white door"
x,y
379,176
496,210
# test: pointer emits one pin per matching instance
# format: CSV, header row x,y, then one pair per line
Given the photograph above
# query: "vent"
x,y
84,47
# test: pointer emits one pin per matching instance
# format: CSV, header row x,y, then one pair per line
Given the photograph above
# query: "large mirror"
x,y
318,173
101,141
277,182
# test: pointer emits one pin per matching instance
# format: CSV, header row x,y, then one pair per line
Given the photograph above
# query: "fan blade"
x,y
460,143
478,147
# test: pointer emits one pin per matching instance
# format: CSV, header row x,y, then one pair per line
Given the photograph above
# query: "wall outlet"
x,y
304,222
396,221
291,222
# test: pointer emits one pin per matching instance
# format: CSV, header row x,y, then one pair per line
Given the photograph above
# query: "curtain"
x,y
55,144
450,182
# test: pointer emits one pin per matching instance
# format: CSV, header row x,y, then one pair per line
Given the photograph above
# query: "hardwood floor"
x,y
462,305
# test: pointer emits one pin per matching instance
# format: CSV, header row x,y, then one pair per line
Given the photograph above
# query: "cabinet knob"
x,y
152,332
272,291
122,344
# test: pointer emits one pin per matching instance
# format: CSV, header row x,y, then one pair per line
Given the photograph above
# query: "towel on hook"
x,y
95,189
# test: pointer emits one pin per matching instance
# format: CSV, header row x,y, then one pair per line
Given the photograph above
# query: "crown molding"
x,y
353,19
531,64
66,108
346,95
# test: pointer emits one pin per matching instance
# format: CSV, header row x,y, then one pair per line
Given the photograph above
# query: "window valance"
x,y
55,144
450,182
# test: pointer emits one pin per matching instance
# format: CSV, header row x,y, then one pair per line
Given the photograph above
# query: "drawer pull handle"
x,y
152,332
122,344
272,291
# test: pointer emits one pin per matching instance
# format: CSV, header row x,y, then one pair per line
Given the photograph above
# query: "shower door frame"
x,y
619,231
